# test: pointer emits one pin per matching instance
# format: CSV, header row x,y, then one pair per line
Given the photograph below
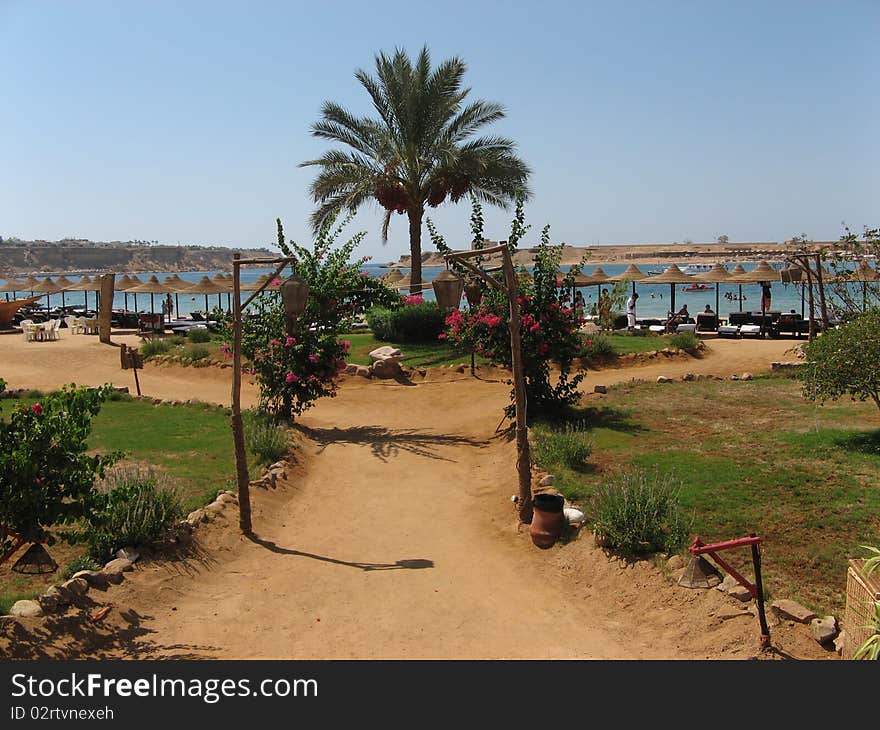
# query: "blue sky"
x,y
643,122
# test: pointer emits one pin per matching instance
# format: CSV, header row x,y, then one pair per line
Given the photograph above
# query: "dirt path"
x,y
397,540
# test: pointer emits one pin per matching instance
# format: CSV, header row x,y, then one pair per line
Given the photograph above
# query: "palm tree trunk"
x,y
415,248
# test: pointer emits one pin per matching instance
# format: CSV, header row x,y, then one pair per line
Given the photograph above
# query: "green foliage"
x,y
569,445
549,329
684,341
155,347
844,361
46,476
639,512
265,437
83,562
135,508
194,353
198,335
600,346
410,323
296,367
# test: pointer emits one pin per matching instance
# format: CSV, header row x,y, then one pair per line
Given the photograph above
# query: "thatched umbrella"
x,y
393,276
66,285
123,284
717,275
762,274
151,286
227,285
134,281
736,277
176,285
49,287
631,273
30,284
672,276
206,286
864,274
11,285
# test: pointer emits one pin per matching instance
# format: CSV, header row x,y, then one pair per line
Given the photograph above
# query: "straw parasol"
x,y
29,284
206,286
672,276
151,286
221,281
133,281
12,285
864,274
716,275
762,274
66,285
85,285
49,287
176,285
632,273
392,276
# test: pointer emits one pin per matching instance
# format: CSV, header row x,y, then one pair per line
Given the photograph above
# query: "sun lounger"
x,y
658,328
750,329
728,330
686,328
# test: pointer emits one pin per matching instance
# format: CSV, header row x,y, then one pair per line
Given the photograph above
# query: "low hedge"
x,y
412,323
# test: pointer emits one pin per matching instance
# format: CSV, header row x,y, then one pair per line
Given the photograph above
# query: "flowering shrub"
x,y
296,368
46,477
549,332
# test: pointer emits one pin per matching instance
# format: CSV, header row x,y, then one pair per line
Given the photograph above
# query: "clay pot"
x,y
547,520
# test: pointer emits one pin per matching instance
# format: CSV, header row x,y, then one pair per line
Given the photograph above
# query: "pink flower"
x,y
37,409
535,327
276,282
291,378
274,343
313,359
290,341
543,348
441,336
413,299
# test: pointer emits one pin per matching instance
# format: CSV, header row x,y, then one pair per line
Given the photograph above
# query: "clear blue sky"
x,y
642,121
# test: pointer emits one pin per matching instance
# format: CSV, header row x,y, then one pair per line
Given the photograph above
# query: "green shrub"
x,y
133,507
155,347
265,437
684,341
176,340
411,323
198,335
569,444
600,346
639,513
194,353
83,562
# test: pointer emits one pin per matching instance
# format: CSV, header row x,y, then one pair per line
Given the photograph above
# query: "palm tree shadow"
x,y
408,564
386,443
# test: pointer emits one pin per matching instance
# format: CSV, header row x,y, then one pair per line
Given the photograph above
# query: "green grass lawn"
x,y
750,457
415,354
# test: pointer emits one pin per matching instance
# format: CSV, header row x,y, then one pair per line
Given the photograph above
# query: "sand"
x,y
394,537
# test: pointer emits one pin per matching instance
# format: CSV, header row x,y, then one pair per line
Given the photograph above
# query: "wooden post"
x,y
523,455
241,467
105,309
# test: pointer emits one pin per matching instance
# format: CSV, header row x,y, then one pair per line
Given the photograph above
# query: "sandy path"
x,y
397,540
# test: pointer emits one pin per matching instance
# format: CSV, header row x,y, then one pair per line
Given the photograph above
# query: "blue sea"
x,y
655,300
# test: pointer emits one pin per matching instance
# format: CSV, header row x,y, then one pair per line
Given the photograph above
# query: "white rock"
x,y
118,565
793,610
574,516
128,553
663,379
547,481
195,518
75,586
741,593
840,642
728,583
746,376
676,562
824,629
386,353
26,609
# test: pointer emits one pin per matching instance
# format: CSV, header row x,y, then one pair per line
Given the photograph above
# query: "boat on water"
x,y
692,269
655,272
697,287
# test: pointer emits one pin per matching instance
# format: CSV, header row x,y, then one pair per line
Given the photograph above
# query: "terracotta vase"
x,y
547,520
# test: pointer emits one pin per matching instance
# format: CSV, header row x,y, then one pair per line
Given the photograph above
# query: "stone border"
x,y
57,597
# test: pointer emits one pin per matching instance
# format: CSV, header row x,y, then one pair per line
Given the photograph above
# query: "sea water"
x,y
655,300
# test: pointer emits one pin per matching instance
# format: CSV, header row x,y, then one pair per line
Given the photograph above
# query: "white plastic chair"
x,y
29,329
51,330
70,320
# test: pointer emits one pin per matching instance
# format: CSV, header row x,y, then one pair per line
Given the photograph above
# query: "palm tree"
x,y
418,151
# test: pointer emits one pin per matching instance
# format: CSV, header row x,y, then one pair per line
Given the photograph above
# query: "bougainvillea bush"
x,y
296,368
549,332
46,476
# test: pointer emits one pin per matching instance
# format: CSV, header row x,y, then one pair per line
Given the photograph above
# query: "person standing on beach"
x,y
765,297
631,312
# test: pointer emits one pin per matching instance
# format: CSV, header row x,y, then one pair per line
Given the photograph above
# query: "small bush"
x,y
83,562
639,513
134,507
413,323
177,340
155,347
684,341
600,346
569,445
198,335
265,438
194,353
